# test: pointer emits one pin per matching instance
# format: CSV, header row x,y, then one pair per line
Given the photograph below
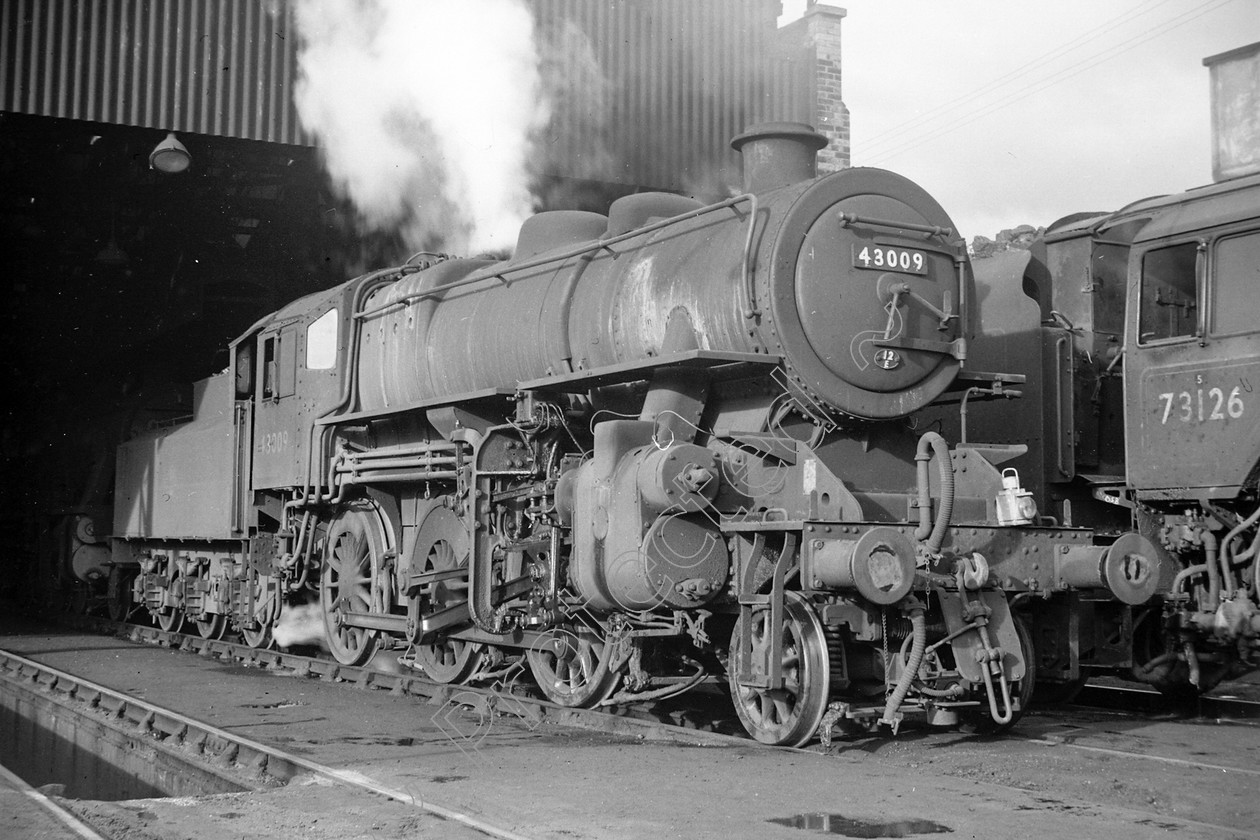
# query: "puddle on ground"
x,y
846,827
279,704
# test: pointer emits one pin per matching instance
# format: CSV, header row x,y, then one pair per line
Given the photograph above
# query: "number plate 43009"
x,y
885,258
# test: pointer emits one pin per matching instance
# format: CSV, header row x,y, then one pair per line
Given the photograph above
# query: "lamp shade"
x,y
169,155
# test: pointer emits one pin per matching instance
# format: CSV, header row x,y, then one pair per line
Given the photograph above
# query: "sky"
x,y
1023,112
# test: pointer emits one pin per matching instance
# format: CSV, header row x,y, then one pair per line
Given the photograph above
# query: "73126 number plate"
x,y
884,258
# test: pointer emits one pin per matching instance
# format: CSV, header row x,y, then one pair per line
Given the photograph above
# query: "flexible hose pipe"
x,y
918,624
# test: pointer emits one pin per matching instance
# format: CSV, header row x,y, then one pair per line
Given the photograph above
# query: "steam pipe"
x,y
962,413
745,268
300,583
1247,580
935,536
1227,570
955,690
1240,560
424,449
1144,673
566,308
1213,570
1187,572
369,477
1256,577
1192,662
1160,670
480,600
355,466
662,693
918,624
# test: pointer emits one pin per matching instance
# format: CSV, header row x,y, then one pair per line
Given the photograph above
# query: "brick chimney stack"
x,y
817,33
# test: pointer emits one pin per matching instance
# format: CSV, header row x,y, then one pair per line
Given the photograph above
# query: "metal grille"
x,y
222,67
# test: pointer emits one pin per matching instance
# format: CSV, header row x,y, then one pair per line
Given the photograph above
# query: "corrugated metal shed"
x,y
656,88
219,67
661,86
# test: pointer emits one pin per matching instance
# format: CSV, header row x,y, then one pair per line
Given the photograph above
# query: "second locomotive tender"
x,y
653,445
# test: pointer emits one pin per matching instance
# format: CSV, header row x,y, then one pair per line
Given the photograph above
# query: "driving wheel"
x,y
572,665
788,715
356,547
442,542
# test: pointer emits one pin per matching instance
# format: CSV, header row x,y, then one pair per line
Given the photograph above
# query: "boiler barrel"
x,y
856,280
464,326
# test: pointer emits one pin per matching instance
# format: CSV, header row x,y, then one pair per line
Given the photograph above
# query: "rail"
x,y
1136,699
533,710
171,727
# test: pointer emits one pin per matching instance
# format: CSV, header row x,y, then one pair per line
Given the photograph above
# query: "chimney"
x,y
777,154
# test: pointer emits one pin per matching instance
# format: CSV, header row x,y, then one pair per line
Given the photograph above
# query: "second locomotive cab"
x,y
676,442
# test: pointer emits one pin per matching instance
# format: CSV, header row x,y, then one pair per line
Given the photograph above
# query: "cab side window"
x,y
1110,274
269,367
277,371
321,342
1169,293
1235,282
245,370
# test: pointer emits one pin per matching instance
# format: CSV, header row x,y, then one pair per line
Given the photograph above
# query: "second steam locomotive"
x,y
1137,333
672,442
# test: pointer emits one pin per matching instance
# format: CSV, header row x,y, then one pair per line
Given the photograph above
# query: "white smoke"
x,y
581,100
424,111
300,624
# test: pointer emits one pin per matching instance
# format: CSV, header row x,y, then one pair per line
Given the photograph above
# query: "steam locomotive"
x,y
1138,335
674,442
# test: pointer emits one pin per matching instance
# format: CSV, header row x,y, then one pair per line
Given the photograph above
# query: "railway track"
x,y
680,720
1064,731
264,763
1144,701
500,699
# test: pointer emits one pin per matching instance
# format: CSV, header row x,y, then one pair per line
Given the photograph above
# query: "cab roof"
x,y
1202,208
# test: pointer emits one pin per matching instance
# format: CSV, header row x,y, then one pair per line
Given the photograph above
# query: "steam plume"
x,y
424,111
576,140
301,624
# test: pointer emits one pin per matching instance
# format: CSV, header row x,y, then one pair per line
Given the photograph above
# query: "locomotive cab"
x,y
1192,364
1192,348
289,369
